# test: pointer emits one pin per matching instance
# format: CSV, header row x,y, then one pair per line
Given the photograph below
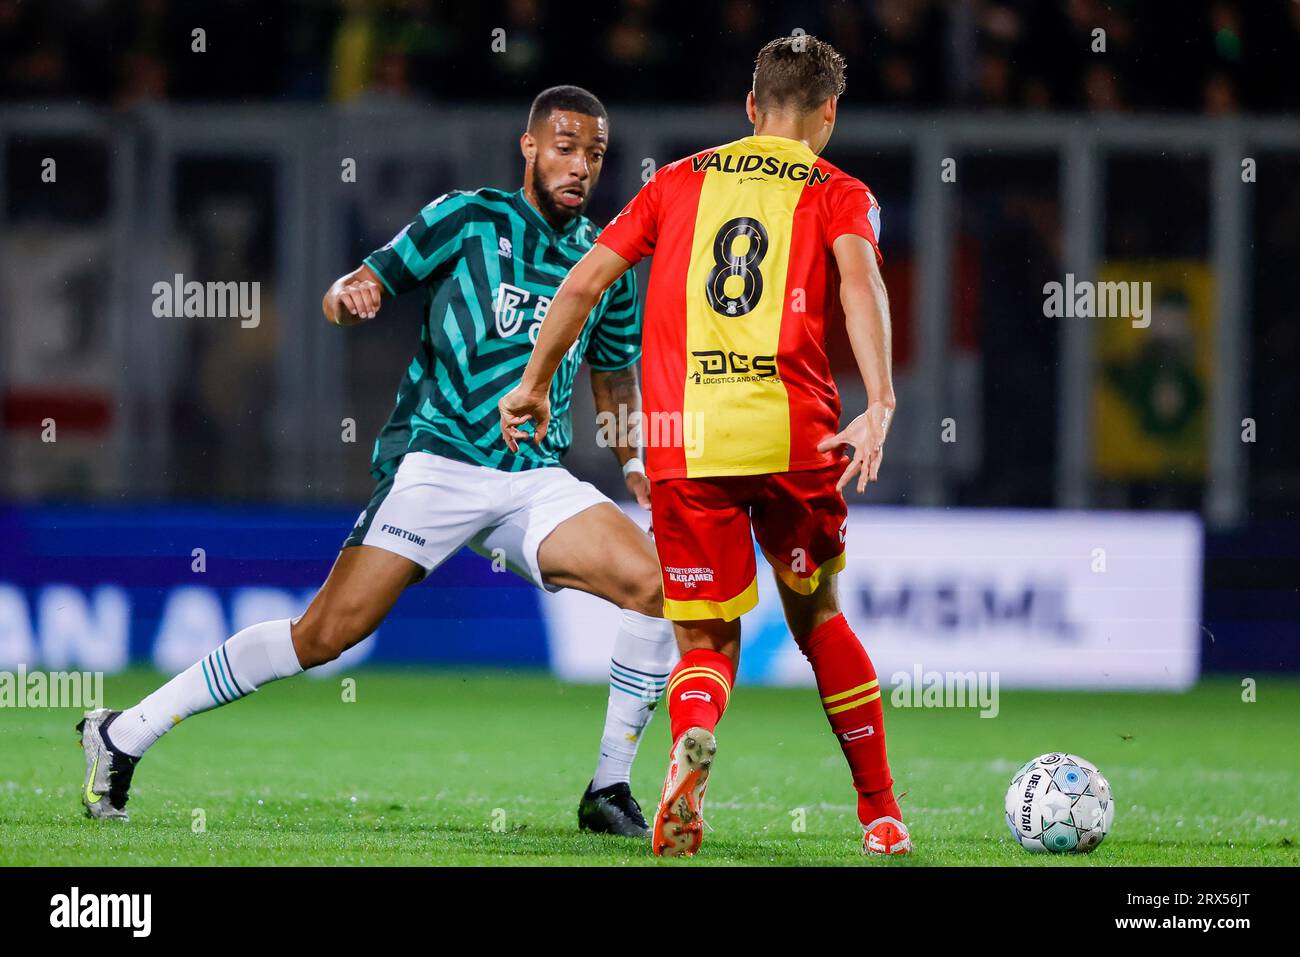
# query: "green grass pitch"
x,y
439,768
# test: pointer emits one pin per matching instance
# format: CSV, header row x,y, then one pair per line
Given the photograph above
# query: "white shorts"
x,y
433,506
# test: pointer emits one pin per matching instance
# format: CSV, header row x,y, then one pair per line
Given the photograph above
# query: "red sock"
x,y
698,690
846,680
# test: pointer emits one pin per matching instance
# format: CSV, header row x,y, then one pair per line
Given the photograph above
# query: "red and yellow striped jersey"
x,y
743,283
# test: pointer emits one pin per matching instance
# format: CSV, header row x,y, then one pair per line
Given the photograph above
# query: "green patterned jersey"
x,y
489,265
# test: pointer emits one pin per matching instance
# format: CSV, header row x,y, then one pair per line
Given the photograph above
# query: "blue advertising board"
x,y
96,587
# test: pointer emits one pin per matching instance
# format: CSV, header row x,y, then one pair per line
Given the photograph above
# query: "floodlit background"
x,y
1073,501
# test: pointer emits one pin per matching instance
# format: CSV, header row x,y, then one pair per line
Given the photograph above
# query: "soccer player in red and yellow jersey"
x,y
758,245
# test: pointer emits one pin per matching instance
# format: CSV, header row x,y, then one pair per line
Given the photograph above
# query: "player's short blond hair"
x,y
798,72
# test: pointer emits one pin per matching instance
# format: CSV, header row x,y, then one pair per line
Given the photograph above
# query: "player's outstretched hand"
x,y
866,434
516,408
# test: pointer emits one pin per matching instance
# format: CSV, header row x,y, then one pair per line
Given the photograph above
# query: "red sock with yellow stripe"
x,y
850,693
698,690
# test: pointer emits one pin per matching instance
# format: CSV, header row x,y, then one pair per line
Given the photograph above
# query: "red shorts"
x,y
702,532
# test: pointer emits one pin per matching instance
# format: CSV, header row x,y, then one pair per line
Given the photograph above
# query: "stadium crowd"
x,y
1209,56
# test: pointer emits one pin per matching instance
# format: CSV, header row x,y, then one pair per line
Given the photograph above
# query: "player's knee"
x,y
309,640
644,592
805,614
715,635
323,638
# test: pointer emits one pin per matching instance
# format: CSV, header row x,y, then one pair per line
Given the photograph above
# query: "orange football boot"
x,y
679,821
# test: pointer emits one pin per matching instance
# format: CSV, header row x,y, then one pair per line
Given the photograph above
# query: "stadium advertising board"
x,y
1091,600
1042,599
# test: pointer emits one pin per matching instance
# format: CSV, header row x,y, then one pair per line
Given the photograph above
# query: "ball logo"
x,y
1026,809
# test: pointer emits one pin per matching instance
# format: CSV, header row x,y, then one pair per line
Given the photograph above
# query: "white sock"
x,y
644,654
238,667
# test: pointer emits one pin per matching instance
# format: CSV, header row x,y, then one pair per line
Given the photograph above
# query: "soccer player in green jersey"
x,y
488,262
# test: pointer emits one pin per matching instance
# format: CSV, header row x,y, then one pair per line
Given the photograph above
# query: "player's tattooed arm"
x,y
618,394
353,298
866,318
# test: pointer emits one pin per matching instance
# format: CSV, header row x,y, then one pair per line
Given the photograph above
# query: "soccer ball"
x,y
1059,803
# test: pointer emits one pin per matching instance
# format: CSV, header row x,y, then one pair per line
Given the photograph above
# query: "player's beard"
x,y
550,208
